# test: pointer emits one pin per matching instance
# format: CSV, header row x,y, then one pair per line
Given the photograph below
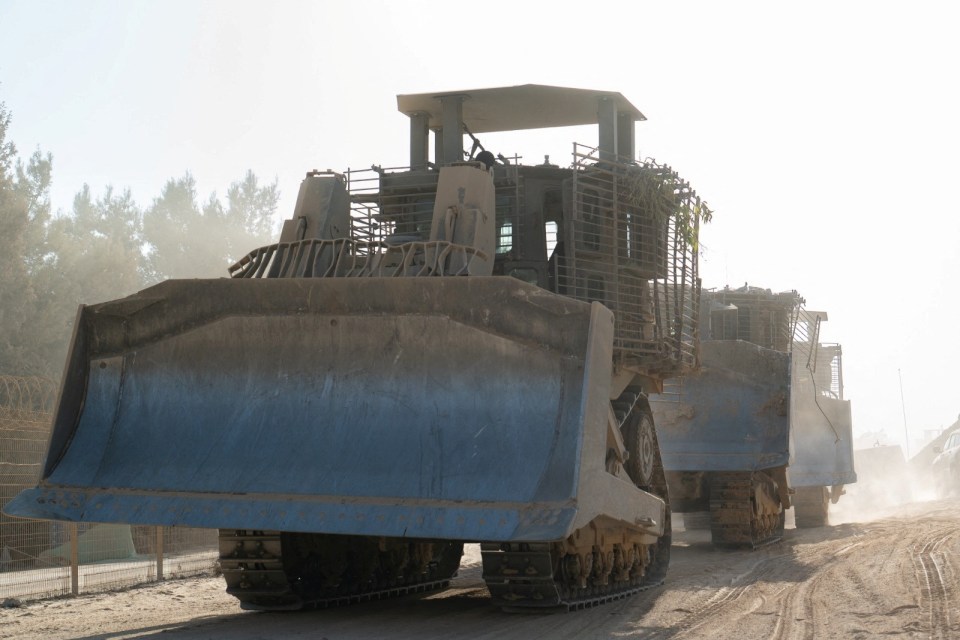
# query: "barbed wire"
x,y
27,398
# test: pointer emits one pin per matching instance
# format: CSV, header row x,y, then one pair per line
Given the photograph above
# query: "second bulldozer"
x,y
762,426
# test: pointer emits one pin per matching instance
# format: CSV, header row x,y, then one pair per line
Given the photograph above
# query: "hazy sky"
x,y
823,134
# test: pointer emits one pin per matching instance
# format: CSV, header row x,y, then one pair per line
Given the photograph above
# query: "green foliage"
x,y
660,193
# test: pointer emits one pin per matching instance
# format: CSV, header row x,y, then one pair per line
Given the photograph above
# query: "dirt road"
x,y
893,576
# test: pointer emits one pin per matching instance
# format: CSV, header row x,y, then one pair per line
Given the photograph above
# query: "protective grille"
x,y
813,361
391,213
767,319
395,205
632,246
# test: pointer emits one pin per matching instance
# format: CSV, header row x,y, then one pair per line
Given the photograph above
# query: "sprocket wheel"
x,y
645,467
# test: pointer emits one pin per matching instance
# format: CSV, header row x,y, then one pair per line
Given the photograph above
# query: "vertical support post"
x,y
903,406
419,139
607,119
572,227
74,558
626,145
840,372
438,146
159,553
452,122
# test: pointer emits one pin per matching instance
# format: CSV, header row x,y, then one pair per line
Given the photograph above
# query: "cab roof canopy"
x,y
527,106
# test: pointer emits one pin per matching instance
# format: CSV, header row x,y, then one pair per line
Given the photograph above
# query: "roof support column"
x,y
626,145
438,146
419,140
607,119
452,128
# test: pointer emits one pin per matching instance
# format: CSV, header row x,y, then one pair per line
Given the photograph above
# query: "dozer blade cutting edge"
x,y
456,408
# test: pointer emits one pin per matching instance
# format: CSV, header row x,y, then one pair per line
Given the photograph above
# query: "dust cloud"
x,y
885,483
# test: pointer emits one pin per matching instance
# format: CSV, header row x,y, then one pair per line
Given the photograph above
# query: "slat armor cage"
x,y
634,238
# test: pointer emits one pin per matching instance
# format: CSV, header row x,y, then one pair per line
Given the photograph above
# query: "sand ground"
x,y
894,574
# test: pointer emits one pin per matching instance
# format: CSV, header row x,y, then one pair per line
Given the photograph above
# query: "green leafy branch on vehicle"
x,y
658,191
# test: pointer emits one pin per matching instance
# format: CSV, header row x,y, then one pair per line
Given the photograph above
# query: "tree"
x,y
24,211
170,226
183,240
98,247
14,288
93,255
250,215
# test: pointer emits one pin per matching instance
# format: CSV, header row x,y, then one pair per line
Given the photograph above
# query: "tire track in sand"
x,y
933,571
707,611
796,618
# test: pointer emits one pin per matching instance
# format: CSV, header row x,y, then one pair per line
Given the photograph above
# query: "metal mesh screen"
x,y
396,205
819,364
770,320
391,213
830,369
632,247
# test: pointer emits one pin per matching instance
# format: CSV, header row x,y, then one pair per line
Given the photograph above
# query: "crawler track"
x,y
737,518
526,576
544,575
810,506
269,570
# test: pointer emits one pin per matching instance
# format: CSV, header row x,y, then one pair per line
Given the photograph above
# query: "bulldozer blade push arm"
x,y
460,408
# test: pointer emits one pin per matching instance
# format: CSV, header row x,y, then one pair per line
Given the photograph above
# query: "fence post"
x,y
159,553
74,558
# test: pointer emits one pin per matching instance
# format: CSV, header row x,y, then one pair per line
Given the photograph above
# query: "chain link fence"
x,y
41,559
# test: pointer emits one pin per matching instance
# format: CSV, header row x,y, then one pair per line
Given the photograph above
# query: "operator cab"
x,y
532,201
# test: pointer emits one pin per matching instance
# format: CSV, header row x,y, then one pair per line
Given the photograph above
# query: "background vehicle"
x,y
454,351
768,397
946,466
884,479
928,467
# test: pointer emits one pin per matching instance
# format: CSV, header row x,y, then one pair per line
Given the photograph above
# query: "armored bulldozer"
x,y
762,426
458,350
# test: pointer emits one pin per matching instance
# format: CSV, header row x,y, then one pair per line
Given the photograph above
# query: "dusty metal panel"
x,y
821,425
368,407
821,441
733,415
